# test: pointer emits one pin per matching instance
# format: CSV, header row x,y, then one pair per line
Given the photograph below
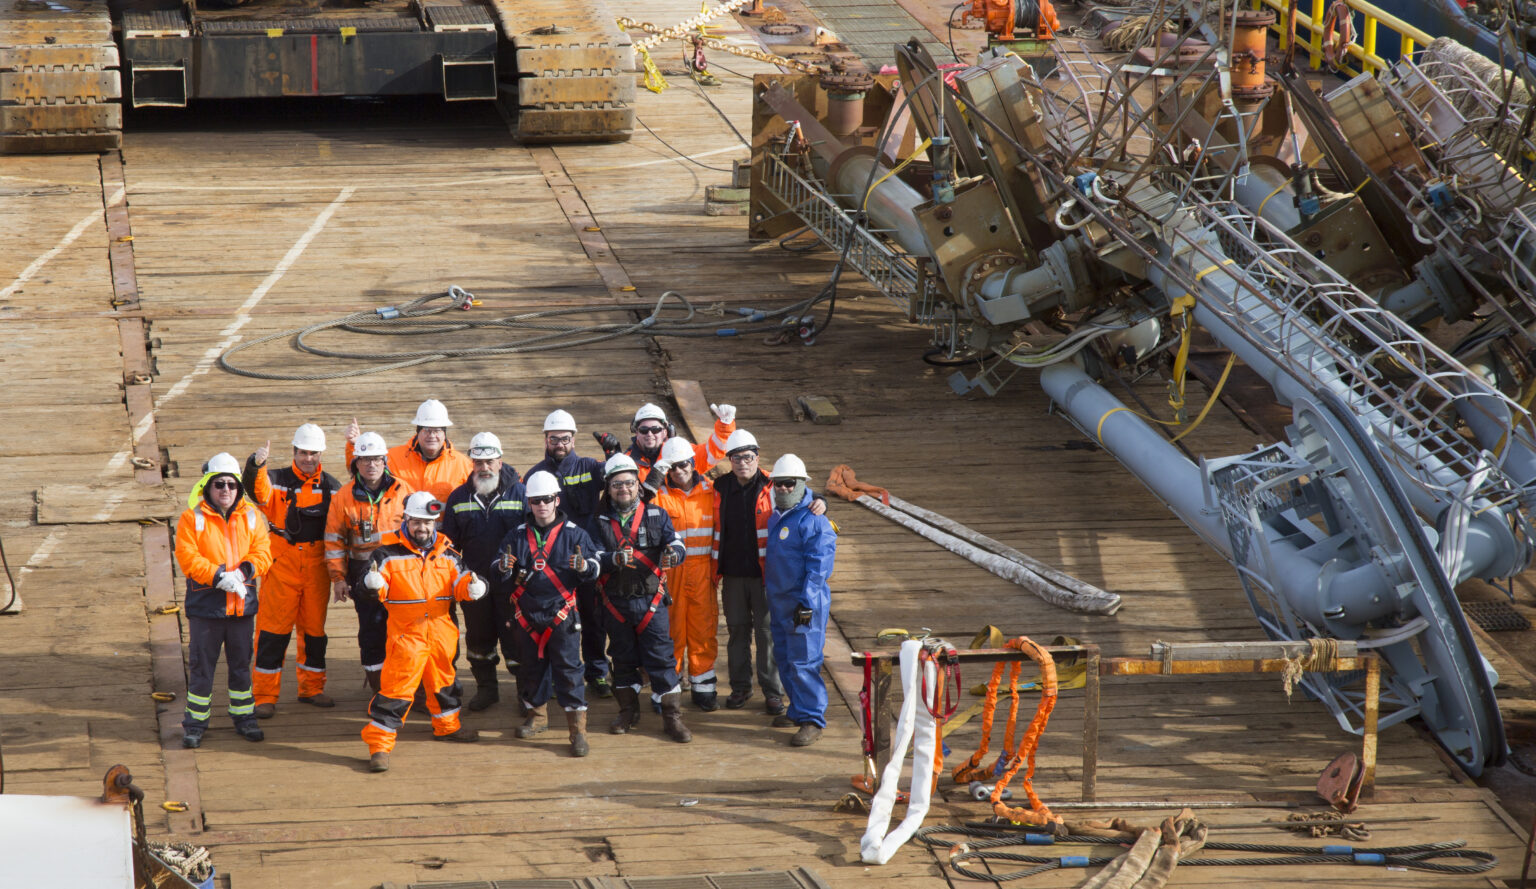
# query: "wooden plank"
x,y
694,408
170,676
122,501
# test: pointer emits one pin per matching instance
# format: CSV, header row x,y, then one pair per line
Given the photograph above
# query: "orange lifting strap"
x,y
972,770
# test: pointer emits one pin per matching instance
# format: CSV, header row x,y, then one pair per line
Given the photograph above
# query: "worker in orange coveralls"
x,y
297,590
428,462
416,574
690,500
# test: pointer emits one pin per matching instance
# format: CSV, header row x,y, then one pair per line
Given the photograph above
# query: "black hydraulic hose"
x,y
8,578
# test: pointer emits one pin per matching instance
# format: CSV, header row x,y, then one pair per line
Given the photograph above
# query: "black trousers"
x,y
589,604
206,637
558,671
372,618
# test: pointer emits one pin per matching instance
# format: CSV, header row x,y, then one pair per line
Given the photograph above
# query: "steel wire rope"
x,y
552,337
984,843
12,581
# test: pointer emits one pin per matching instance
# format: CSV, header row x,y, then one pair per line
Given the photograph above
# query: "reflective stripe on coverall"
x,y
695,612
423,641
705,454
297,591
477,526
354,528
801,548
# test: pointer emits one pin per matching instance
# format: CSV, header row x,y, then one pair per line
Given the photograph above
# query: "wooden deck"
x,y
253,220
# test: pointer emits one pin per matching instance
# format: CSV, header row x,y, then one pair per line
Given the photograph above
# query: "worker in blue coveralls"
x,y
581,483
796,575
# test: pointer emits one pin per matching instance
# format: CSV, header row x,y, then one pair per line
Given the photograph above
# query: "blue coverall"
x,y
796,574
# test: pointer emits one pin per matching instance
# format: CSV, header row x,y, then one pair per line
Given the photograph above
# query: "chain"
x,y
659,34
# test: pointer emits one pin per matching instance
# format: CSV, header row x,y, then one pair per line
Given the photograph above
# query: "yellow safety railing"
x,y
1311,26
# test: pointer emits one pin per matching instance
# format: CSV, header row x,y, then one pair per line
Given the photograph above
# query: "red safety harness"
x,y
541,563
626,540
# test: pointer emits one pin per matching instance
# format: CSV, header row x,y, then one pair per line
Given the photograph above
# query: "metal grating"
x,y
307,25
459,17
1496,617
873,29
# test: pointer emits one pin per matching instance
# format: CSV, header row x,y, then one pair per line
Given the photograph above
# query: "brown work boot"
x,y
535,722
809,734
321,700
372,677
672,718
463,735
379,762
265,711
629,710
576,724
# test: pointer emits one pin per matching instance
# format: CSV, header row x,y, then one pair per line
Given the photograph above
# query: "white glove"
x,y
230,582
476,588
726,412
373,580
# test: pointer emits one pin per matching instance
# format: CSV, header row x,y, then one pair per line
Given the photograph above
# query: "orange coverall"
x,y
695,613
438,476
423,640
297,590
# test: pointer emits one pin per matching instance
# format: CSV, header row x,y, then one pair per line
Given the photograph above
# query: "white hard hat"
x,y
619,463
222,464
432,413
422,505
560,421
484,446
309,437
790,466
649,411
676,450
369,444
740,439
542,484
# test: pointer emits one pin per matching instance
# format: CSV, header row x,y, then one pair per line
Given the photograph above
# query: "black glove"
x,y
803,616
609,442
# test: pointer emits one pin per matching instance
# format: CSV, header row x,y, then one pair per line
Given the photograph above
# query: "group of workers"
x,y
582,572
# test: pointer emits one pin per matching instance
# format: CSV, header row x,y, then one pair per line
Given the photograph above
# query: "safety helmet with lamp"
x,y
560,421
422,505
542,484
484,446
432,414
740,440
309,437
790,466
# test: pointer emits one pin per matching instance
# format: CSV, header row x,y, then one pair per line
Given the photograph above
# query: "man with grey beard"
x,y
479,514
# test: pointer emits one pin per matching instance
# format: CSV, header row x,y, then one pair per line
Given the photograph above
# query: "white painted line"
x,y
74,234
231,334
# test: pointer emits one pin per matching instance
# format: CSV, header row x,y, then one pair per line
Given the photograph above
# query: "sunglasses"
x,y
787,484
224,485
651,430
540,501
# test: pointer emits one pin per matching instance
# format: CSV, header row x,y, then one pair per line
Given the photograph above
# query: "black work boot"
x,y
672,718
487,692
708,701
576,724
629,710
372,677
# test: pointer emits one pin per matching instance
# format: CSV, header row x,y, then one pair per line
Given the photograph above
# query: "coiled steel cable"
x,y
981,845
406,320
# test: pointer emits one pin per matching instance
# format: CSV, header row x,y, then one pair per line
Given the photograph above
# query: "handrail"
x,y
1408,35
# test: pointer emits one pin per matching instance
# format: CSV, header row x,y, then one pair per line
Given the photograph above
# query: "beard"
x,y
485,487
424,541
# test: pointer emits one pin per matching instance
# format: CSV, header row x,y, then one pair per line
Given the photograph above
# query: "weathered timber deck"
x,y
255,220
